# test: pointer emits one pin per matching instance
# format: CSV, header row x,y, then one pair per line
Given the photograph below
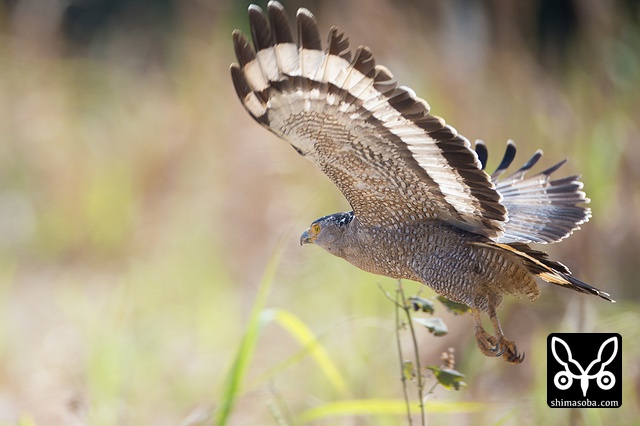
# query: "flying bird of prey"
x,y
424,209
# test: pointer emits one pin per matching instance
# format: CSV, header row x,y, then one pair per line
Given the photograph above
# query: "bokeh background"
x,y
140,207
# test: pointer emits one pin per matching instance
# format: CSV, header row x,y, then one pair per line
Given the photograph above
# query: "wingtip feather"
x,y
308,34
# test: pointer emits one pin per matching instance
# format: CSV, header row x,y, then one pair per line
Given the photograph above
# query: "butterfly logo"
x,y
564,379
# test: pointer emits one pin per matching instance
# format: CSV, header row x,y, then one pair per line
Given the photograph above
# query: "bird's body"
x,y
450,260
424,209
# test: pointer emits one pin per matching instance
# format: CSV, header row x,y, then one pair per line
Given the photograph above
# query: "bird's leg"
x,y
488,344
507,347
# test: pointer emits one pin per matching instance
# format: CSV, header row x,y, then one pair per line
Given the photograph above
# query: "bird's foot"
x,y
510,352
489,345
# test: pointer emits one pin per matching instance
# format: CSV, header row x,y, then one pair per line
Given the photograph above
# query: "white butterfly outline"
x,y
584,377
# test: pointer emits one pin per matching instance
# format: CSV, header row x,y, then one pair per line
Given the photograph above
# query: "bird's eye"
x,y
315,228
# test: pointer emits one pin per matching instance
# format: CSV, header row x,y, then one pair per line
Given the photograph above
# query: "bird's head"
x,y
327,231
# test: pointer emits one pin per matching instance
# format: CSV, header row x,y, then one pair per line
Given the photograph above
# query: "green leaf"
x,y
305,337
240,366
408,371
450,379
434,325
453,307
421,304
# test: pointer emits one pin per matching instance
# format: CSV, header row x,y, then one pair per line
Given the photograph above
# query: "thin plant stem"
x,y
419,377
278,407
401,358
435,385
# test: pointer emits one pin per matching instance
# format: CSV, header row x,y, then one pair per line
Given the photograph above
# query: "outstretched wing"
x,y
393,161
541,210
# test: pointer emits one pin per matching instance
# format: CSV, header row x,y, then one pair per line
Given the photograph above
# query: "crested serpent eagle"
x,y
424,208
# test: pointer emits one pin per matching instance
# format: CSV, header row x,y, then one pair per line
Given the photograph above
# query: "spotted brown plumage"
x,y
424,209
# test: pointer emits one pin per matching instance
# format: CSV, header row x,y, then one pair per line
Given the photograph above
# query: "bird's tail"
x,y
539,264
540,210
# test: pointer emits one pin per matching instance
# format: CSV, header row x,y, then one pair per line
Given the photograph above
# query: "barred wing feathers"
x,y
541,210
539,264
393,161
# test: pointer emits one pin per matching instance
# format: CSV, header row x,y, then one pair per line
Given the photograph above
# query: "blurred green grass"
x,y
139,208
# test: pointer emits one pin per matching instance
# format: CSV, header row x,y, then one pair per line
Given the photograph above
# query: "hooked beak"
x,y
305,238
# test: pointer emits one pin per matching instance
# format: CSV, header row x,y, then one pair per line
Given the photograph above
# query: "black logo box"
x,y
584,370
